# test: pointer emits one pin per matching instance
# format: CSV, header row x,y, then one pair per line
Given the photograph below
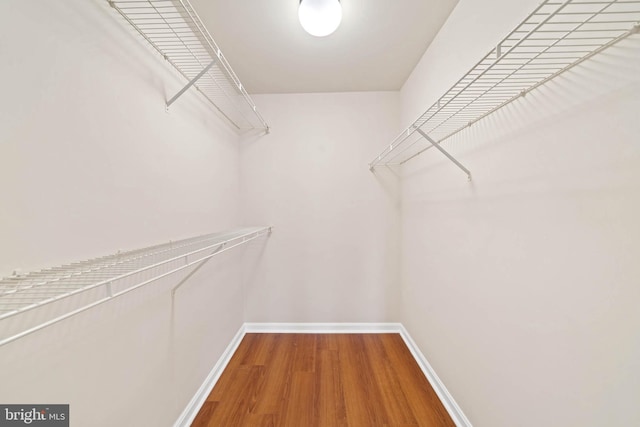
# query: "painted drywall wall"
x,y
90,163
521,287
333,255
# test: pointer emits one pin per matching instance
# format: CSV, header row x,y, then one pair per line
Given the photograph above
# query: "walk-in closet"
x,y
320,213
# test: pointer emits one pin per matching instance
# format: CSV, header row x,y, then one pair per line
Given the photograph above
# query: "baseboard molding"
x,y
190,412
438,386
447,400
322,328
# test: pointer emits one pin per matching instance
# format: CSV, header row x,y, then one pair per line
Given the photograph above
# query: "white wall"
x,y
90,162
333,256
521,287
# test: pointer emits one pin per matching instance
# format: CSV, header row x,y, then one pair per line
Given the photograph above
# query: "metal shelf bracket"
x,y
191,83
443,151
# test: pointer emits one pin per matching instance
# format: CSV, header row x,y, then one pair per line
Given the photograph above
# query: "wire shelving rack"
x,y
101,279
174,29
556,36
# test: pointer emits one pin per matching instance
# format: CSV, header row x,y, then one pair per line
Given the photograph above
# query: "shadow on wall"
x,y
389,179
253,256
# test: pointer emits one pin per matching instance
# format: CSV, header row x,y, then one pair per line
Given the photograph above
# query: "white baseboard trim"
x,y
190,412
322,328
438,386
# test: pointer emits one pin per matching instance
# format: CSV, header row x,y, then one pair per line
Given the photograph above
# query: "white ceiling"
x,y
376,46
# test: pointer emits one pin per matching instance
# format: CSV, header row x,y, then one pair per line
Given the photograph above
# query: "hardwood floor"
x,y
332,380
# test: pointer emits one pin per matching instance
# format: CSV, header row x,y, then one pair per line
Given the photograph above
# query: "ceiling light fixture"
x,y
320,17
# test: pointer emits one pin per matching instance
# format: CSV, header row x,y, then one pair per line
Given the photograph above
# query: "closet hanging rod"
x,y
174,29
109,275
555,37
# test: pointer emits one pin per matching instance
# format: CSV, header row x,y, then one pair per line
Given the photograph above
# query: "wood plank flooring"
x,y
318,380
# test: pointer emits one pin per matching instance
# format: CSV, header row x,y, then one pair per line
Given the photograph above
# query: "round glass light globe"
x,y
320,17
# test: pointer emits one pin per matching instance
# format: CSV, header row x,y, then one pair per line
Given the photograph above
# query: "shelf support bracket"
x,y
191,83
449,156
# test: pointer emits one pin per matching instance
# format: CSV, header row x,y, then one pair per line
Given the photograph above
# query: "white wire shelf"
x,y
102,279
553,38
174,29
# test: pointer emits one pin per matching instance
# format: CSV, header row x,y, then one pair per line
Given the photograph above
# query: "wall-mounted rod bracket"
x,y
191,83
442,150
